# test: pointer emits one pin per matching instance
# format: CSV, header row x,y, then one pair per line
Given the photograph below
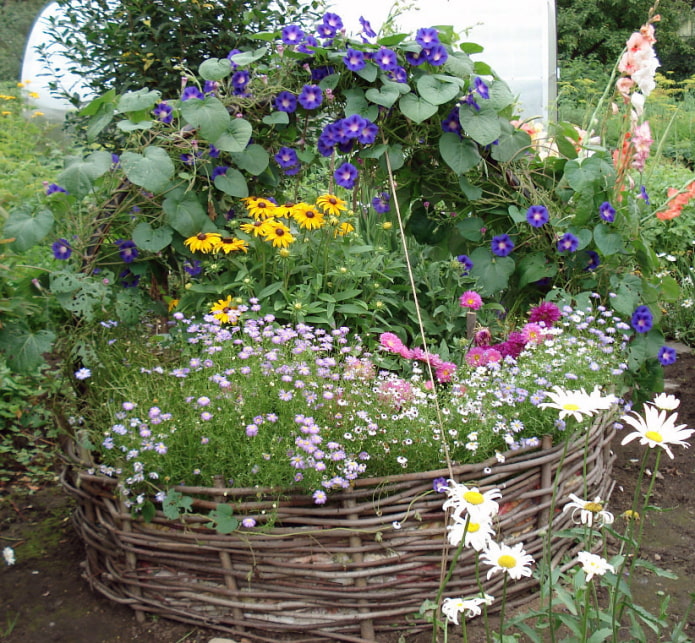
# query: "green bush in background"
x,y
16,19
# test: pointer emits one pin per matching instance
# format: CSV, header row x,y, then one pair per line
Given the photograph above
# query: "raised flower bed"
x,y
360,564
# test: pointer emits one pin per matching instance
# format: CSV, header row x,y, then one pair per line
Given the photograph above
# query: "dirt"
x,y
44,599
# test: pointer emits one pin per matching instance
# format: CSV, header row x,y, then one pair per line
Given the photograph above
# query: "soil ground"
x,y
43,598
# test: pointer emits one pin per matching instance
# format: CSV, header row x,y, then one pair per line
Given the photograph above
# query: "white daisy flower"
x,y
654,428
476,535
593,565
578,404
510,560
666,402
481,505
8,555
469,607
590,512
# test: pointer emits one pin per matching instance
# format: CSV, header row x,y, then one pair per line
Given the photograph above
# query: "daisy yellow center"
x,y
593,507
474,497
473,527
570,406
506,561
653,435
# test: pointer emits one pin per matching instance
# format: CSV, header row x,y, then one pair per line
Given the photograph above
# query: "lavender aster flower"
x,y
502,245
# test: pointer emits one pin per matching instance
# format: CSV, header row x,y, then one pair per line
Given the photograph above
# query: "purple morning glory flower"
x,y
466,263
415,58
333,20
115,159
451,123
354,59
502,245
319,73
427,37
469,99
642,319
353,125
436,55
52,188
61,249
643,194
213,152
325,31
286,102
128,279
607,212
567,243
309,41
386,59
346,175
240,79
398,75
286,157
367,28
162,112
292,35
439,485
232,53
210,87
537,216
594,260
667,355
192,92
368,133
193,267
220,170
311,97
380,203
481,88
127,250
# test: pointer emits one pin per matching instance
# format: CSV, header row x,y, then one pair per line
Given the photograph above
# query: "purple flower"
x,y
325,31
193,267
240,79
643,194
416,58
502,245
346,175
231,54
481,88
607,212
333,20
667,355
52,188
367,28
466,263
220,170
642,319
61,249
368,133
380,203
319,497
192,92
427,37
210,87
439,485
436,55
398,75
537,215
127,250
292,35
286,102
594,260
128,279
311,97
386,59
309,41
249,523
319,73
567,243
354,59
213,152
352,126
451,123
286,157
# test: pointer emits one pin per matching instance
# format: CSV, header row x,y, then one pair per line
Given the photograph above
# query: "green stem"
x,y
585,616
504,604
447,578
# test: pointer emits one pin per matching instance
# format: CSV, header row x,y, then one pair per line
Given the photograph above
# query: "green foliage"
x,y
132,43
16,19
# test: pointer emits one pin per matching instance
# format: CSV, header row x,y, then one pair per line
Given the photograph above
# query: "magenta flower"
x,y
477,356
547,313
471,299
391,342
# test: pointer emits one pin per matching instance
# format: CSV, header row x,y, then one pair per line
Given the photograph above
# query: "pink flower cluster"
x,y
639,63
443,371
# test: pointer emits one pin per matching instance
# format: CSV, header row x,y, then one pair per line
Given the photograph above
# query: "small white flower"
x,y
666,402
83,374
396,525
590,512
578,404
656,429
593,565
469,607
481,506
477,534
8,555
510,560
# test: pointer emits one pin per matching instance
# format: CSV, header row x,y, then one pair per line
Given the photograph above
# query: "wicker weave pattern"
x,y
338,571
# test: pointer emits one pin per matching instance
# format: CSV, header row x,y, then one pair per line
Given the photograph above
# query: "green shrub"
x,y
16,19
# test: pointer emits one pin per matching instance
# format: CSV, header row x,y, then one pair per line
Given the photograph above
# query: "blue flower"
x,y
567,243
594,260
193,267
466,263
415,58
346,175
380,203
286,102
286,157
311,97
367,28
643,194
128,279
352,126
162,112
61,249
354,59
398,75
220,170
240,79
210,87
436,55
333,20
607,212
309,41
667,355
451,123
52,188
292,35
482,88
642,319
325,31
537,215
427,37
191,92
368,133
386,59
127,250
502,245
232,53
213,152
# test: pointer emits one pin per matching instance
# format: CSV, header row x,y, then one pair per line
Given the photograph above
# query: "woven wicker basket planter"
x,y
339,571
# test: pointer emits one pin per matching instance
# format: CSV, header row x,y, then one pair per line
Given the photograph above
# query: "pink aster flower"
x,y
444,371
547,313
532,332
392,343
477,356
471,299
